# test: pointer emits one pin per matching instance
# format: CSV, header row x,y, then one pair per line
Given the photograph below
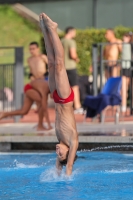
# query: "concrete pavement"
x,y
16,136
23,135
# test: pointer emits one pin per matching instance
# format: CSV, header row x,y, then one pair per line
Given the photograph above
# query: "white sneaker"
x,y
79,111
123,108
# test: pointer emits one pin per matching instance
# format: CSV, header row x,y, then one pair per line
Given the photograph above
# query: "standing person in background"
x,y
71,60
126,71
131,41
111,53
37,62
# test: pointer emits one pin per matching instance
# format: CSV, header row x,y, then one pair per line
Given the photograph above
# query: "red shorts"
x,y
57,99
27,87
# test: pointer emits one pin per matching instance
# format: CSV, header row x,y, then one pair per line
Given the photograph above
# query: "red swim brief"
x,y
27,87
58,99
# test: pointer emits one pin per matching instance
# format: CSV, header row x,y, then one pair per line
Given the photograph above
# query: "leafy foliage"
x,y
15,31
85,39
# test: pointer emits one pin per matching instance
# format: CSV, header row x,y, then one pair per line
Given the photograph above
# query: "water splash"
x,y
107,148
122,171
17,164
51,175
22,165
129,155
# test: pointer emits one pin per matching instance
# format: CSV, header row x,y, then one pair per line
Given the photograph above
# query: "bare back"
x,y
38,66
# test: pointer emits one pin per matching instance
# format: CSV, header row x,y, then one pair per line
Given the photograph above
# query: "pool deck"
x,y
23,135
15,136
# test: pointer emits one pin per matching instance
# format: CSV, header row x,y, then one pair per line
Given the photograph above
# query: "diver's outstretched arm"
x,y
71,157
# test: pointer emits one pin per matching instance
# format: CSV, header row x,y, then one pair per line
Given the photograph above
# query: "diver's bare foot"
x,y
48,22
42,25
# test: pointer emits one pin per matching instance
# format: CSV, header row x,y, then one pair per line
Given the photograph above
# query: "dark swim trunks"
x,y
109,68
72,77
126,72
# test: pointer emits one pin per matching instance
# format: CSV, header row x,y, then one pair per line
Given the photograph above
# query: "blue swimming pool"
x,y
96,176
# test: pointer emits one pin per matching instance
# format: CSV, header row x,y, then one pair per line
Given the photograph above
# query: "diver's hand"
x,y
69,170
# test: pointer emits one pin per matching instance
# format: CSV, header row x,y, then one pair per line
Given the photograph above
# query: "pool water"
x,y
96,175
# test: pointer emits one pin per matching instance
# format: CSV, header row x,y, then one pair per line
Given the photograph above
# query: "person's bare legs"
x,y
50,55
125,85
42,87
23,111
116,71
77,103
30,97
124,94
40,121
106,74
61,79
35,96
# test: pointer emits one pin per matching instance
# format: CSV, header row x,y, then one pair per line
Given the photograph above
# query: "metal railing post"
x,y
101,67
102,116
18,79
131,93
95,66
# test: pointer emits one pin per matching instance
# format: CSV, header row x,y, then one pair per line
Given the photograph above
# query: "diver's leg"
x,y
50,55
61,79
